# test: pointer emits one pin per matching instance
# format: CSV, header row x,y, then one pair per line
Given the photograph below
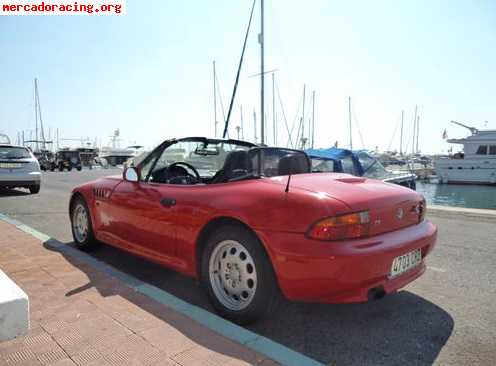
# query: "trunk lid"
x,y
390,206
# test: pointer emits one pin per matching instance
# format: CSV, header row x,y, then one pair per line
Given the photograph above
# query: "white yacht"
x,y
115,156
475,165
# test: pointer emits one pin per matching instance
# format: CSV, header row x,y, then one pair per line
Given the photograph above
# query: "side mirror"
x,y
131,175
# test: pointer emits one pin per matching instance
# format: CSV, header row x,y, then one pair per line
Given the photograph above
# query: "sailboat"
x,y
39,145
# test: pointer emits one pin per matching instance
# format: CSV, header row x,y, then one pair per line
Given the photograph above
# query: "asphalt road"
x,y
447,317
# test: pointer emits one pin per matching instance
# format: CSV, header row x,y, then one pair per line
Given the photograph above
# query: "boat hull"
x,y
466,171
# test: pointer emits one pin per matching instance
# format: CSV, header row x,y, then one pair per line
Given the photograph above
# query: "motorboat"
x,y
476,164
359,163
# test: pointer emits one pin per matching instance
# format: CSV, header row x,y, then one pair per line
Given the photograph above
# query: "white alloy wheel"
x,y
233,275
80,223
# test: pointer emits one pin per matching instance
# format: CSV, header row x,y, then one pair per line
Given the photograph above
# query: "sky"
x,y
149,73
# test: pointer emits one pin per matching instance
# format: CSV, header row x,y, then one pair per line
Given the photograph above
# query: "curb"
x,y
461,210
247,338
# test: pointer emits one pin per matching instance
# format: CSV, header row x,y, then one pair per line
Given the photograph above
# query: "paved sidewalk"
x,y
81,316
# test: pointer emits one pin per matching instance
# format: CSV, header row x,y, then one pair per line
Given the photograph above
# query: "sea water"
x,y
470,196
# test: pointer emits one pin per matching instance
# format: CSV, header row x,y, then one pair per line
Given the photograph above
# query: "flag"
x,y
445,134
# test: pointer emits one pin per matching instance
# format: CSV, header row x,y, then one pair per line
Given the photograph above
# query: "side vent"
x,y
101,193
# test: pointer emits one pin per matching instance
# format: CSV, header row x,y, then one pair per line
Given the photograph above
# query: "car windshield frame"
x,y
258,154
156,153
4,154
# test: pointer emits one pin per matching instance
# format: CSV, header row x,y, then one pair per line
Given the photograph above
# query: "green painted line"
x,y
256,342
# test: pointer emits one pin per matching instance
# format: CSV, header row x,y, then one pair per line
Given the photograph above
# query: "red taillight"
x,y
350,226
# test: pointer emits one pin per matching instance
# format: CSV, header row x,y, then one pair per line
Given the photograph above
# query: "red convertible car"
x,y
252,222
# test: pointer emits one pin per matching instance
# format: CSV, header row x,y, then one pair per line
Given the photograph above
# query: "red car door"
x,y
142,217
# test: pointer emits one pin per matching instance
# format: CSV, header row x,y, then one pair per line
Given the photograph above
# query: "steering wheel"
x,y
191,167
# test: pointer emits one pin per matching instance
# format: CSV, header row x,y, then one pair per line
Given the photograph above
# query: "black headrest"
x,y
293,164
237,162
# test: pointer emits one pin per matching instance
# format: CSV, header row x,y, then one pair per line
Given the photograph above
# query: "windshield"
x,y
12,152
372,168
206,157
322,165
343,165
199,160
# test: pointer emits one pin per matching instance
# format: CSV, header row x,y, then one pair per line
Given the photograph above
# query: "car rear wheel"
x,y
238,275
82,230
34,189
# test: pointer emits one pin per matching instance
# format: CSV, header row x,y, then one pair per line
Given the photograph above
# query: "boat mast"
x,y
36,111
303,119
42,128
418,132
262,72
401,134
231,104
215,101
349,119
255,125
274,111
242,128
414,129
313,118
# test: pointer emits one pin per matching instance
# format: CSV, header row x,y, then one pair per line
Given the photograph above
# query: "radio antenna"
x,y
287,184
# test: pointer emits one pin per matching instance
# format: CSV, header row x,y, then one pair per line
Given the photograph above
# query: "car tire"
x,y
69,168
34,189
233,251
79,168
80,219
61,168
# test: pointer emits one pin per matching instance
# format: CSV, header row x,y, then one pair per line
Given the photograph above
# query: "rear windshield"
x,y
13,152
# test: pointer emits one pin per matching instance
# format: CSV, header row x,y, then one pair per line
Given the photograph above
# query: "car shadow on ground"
x,y
402,328
12,192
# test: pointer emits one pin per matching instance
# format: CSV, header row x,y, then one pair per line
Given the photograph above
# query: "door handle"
x,y
168,202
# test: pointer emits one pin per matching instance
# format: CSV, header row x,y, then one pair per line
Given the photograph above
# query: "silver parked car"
x,y
19,168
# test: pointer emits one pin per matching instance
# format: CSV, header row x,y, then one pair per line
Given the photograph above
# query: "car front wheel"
x,y
238,275
82,230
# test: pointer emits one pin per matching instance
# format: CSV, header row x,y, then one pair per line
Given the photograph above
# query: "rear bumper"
x,y
19,179
340,272
19,183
